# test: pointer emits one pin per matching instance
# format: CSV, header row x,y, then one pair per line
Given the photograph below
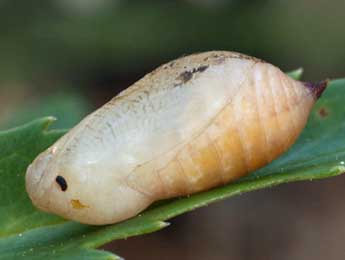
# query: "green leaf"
x,y
296,74
25,232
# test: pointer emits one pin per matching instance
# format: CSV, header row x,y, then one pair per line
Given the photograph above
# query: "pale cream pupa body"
x,y
192,124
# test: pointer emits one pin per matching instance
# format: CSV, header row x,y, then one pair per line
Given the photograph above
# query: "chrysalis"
x,y
192,124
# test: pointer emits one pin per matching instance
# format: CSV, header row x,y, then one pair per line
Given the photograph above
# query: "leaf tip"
x,y
49,120
163,224
341,168
45,122
296,74
114,257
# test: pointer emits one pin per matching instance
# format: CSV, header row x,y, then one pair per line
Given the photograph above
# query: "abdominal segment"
x,y
257,125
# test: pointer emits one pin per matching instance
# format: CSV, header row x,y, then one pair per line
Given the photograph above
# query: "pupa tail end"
x,y
317,88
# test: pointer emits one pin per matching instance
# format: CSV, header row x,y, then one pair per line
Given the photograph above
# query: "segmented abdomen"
x,y
259,123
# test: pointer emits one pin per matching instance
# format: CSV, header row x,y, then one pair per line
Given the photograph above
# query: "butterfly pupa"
x,y
190,125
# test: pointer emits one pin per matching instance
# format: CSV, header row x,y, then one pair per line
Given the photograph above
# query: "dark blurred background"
x,y
67,57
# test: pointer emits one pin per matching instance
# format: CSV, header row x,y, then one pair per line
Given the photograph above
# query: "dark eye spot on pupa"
x,y
62,182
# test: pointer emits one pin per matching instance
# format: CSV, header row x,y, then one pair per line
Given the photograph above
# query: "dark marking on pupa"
x,y
317,88
188,75
185,76
200,69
